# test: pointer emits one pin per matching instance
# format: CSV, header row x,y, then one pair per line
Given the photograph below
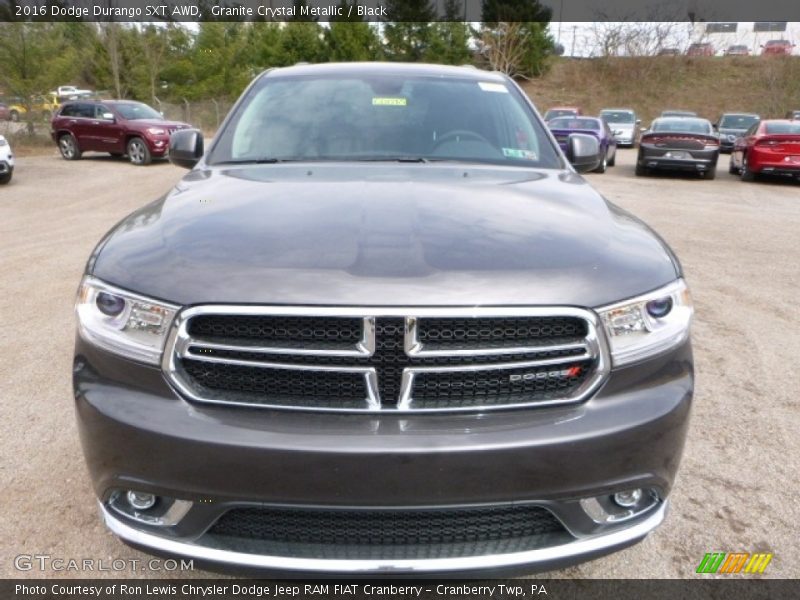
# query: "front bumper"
x,y
137,433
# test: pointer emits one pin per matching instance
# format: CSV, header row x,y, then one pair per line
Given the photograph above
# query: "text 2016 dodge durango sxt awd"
x,y
383,326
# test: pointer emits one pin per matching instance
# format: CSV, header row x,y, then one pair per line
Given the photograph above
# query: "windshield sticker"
x,y
383,101
493,87
518,153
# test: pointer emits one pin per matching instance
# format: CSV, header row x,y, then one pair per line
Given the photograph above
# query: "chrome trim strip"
x,y
595,344
583,547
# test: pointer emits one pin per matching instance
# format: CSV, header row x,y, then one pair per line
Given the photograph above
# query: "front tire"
x,y
68,146
6,177
603,165
613,160
138,152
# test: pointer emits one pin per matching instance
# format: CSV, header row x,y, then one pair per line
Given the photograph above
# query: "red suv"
x,y
779,47
701,49
119,127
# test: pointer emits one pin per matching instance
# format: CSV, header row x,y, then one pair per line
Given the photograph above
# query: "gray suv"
x,y
382,326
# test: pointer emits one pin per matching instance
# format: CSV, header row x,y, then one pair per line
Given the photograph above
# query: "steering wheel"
x,y
461,133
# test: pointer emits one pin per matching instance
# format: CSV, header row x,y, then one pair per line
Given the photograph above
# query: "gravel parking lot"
x,y
738,487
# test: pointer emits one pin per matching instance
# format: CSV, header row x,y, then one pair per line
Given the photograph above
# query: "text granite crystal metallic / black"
x,y
383,326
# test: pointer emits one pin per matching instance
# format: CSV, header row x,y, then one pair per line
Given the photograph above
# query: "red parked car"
x,y
119,127
5,114
777,48
701,49
769,147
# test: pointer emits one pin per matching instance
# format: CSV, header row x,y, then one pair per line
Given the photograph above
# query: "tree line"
x,y
217,59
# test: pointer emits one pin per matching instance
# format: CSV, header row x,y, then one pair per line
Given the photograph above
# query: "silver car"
x,y
623,123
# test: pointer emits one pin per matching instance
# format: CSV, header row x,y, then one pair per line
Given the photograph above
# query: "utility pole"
x,y
574,29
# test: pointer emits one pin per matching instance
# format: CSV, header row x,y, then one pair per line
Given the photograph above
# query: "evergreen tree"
x,y
449,40
351,38
407,32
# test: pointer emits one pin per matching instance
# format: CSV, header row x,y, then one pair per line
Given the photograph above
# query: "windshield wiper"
x,y
402,159
256,161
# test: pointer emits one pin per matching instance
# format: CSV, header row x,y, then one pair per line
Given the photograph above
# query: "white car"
x,y
6,161
70,92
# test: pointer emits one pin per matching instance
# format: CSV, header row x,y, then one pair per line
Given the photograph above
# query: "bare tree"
x,y
503,47
111,37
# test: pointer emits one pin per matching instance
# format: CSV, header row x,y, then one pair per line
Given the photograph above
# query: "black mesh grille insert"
x,y
501,386
497,332
280,386
277,331
388,533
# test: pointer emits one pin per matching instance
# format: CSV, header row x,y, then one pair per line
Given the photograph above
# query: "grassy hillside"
x,y
707,85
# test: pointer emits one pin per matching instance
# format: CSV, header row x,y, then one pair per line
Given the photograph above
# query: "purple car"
x,y
562,127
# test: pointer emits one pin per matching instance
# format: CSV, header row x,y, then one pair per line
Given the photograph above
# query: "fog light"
x,y
628,498
140,500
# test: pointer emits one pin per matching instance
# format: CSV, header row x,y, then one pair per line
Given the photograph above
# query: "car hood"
x,y
621,126
160,123
422,234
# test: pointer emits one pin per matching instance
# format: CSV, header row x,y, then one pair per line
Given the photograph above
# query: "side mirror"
x,y
186,148
583,152
638,121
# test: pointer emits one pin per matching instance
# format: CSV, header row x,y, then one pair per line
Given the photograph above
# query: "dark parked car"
x,y
770,147
624,124
563,127
777,48
679,144
383,326
793,114
731,126
700,49
737,50
562,111
119,127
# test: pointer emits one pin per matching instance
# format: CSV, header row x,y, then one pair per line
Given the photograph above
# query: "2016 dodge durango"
x,y
383,325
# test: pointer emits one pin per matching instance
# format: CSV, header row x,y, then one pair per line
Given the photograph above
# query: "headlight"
x,y
644,326
3,141
123,323
156,131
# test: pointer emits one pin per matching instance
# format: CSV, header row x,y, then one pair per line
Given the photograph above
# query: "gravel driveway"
x,y
740,245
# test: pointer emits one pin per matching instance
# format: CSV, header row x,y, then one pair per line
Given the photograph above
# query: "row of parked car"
x,y
44,105
680,140
771,48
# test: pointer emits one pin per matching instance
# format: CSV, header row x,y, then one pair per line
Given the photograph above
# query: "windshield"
x,y
682,125
559,112
617,116
574,123
383,117
738,121
792,128
134,111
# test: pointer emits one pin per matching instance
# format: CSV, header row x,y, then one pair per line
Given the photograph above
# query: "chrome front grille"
x,y
402,360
